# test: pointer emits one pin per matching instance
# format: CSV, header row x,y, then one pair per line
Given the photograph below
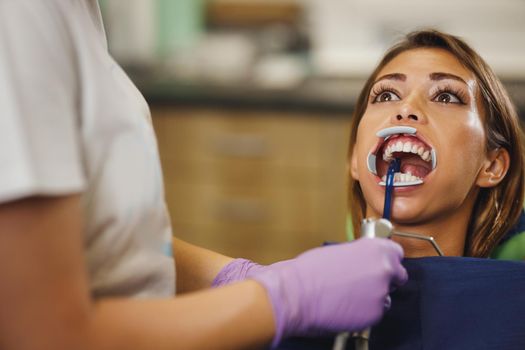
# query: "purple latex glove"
x,y
335,288
235,271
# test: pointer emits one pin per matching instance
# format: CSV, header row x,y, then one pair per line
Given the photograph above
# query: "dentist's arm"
x,y
196,267
45,300
46,304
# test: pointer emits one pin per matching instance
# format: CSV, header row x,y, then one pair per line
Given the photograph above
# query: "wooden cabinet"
x,y
263,185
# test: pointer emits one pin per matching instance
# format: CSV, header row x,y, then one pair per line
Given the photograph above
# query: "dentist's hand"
x,y
335,288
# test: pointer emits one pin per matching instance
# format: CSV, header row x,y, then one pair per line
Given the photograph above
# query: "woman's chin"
x,y
407,217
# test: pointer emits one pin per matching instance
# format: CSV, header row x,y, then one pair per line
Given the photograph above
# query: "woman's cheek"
x,y
471,153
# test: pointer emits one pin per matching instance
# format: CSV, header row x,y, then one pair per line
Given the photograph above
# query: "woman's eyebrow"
x,y
391,76
442,76
436,76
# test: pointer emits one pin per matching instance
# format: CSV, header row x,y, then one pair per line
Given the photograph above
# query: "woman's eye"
x,y
386,96
446,97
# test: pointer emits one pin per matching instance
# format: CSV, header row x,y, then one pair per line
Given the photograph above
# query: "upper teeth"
x,y
406,147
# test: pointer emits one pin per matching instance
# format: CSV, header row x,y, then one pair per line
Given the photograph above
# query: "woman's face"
x,y
429,90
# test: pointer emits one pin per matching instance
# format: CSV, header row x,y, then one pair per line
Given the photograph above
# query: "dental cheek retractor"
x,y
400,179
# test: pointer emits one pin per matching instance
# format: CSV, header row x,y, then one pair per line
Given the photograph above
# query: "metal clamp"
x,y
383,228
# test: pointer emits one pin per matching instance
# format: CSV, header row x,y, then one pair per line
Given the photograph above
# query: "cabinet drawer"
x,y
317,214
219,206
268,139
235,172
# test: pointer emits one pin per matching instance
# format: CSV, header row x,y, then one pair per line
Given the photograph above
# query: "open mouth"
x,y
417,158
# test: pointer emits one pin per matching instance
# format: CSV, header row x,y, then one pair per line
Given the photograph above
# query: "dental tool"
x,y
393,168
369,230
361,338
381,228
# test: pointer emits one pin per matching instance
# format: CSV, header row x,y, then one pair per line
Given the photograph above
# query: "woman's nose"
x,y
409,112
409,117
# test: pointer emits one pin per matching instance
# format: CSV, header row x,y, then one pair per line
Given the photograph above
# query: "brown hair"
x,y
498,208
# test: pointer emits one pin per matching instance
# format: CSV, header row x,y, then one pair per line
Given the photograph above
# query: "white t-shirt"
x,y
72,122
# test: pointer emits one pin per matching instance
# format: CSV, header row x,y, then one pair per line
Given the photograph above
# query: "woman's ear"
x,y
494,168
353,165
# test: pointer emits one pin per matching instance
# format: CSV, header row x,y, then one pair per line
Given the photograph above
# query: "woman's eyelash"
x,y
382,88
460,94
379,89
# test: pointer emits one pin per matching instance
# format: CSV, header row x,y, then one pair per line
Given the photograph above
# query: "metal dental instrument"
x,y
368,229
429,239
381,228
361,338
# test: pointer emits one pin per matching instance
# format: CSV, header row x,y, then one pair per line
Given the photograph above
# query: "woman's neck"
x,y
449,233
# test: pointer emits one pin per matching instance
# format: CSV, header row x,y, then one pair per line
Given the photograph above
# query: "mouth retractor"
x,y
386,134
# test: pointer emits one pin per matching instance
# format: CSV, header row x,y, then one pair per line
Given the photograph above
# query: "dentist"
x,y
86,246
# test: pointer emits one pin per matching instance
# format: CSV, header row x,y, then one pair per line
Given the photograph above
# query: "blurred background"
x,y
251,101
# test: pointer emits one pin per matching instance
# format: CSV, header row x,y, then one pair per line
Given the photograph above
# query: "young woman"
x,y
85,242
436,106
464,157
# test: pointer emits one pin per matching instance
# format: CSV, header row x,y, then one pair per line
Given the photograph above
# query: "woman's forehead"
x,y
424,62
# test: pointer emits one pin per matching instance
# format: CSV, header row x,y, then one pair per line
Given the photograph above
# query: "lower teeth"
x,y
401,179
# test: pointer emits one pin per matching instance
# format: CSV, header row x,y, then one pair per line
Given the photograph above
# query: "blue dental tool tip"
x,y
393,168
